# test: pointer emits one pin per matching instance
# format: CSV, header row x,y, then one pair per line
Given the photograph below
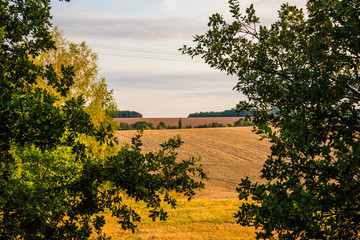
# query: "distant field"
x,y
185,121
228,154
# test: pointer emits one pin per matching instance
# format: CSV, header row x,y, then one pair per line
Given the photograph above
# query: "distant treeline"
x,y
143,125
227,113
127,114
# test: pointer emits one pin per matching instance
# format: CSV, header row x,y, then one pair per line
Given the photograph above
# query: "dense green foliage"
x,y
239,123
227,113
243,122
99,100
180,124
142,125
161,125
52,186
210,125
307,69
127,114
124,126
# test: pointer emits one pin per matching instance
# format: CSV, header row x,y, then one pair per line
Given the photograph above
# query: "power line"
x,y
137,52
126,48
143,53
147,57
116,31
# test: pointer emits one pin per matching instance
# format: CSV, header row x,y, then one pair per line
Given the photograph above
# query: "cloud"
x,y
142,28
169,5
180,82
177,19
137,42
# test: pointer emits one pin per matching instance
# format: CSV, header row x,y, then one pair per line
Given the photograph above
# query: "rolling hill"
x,y
228,154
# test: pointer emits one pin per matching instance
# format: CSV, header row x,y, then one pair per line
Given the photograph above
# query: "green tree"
x,y
127,114
215,125
180,123
308,70
50,187
99,100
142,125
243,122
227,113
161,125
124,126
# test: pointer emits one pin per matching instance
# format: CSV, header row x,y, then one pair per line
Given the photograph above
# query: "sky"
x,y
137,42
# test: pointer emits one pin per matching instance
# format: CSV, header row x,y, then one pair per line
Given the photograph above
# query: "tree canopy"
x,y
51,185
227,113
127,114
308,69
99,101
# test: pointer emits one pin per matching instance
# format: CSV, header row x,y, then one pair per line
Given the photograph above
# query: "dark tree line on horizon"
x,y
227,113
127,114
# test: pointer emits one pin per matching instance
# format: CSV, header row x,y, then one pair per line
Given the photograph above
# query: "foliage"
x,y
99,100
212,125
243,122
142,125
203,126
215,125
51,186
100,103
127,114
161,125
227,113
180,123
307,69
124,126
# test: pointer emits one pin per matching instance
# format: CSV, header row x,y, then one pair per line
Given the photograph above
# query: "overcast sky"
x,y
137,42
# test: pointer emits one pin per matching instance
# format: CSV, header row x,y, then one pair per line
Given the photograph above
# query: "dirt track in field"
x,y
228,154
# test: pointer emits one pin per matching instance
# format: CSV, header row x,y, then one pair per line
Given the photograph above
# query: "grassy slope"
x,y
229,154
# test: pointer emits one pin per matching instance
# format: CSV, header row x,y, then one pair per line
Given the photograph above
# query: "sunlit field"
x,y
197,219
228,155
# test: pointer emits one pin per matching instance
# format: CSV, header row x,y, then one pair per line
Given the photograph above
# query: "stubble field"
x,y
228,154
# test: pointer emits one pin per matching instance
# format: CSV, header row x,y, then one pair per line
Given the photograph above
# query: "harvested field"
x,y
198,219
186,121
228,154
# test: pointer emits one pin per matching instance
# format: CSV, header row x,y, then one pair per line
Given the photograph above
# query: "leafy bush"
x,y
142,125
125,126
161,125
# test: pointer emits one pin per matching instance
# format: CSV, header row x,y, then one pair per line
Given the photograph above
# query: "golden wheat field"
x,y
228,154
